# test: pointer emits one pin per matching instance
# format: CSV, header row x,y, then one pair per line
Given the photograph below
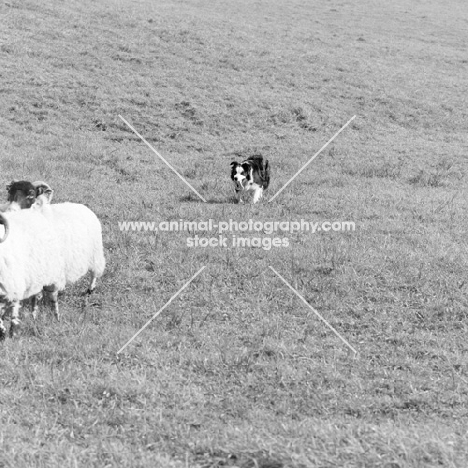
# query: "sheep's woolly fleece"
x,y
29,258
80,239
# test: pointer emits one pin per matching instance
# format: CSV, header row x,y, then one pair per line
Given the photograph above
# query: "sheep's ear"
x,y
8,187
49,194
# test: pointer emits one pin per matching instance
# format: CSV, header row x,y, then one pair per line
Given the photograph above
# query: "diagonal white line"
x,y
157,154
313,310
161,309
312,158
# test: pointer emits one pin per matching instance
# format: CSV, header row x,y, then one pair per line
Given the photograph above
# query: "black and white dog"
x,y
250,175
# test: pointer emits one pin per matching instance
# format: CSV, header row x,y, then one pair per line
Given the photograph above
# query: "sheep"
x,y
75,233
28,261
80,236
21,194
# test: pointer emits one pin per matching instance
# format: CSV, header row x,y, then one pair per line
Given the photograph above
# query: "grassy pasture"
x,y
237,371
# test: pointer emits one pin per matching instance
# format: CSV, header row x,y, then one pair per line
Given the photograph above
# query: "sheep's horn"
x,y
4,221
40,184
43,188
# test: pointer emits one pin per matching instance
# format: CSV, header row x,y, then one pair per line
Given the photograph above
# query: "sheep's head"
x,y
21,192
43,191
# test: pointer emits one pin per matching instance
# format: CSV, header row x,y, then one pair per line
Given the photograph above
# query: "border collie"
x,y
250,176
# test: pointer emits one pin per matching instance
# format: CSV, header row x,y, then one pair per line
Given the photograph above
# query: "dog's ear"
x,y
234,163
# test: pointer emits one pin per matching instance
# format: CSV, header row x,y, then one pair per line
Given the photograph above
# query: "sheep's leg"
x,y
92,285
52,296
35,305
54,299
15,321
2,326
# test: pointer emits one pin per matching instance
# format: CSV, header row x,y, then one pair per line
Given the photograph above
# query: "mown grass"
x,y
237,371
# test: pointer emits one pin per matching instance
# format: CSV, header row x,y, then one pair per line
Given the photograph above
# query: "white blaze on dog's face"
x,y
241,175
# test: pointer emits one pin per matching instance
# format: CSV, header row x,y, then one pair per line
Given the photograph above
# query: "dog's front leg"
x,y
258,192
239,196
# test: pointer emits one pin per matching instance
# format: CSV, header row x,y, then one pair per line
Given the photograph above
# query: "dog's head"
x,y
241,174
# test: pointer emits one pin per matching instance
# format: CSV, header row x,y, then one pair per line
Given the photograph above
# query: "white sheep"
x,y
21,194
80,238
45,248
29,261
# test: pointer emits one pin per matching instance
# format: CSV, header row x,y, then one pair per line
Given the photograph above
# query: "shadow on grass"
x,y
241,460
212,201
220,201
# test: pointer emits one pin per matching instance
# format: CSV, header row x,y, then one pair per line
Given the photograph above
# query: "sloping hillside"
x,y
237,371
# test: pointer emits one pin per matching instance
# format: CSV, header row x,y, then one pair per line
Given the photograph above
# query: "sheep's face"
x,y
44,192
21,192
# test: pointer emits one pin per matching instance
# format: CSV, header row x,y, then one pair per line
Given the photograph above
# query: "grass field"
x,y
237,371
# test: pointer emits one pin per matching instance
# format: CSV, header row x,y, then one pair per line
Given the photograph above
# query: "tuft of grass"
x,y
435,177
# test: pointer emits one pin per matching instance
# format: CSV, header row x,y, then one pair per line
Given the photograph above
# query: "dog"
x,y
250,176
